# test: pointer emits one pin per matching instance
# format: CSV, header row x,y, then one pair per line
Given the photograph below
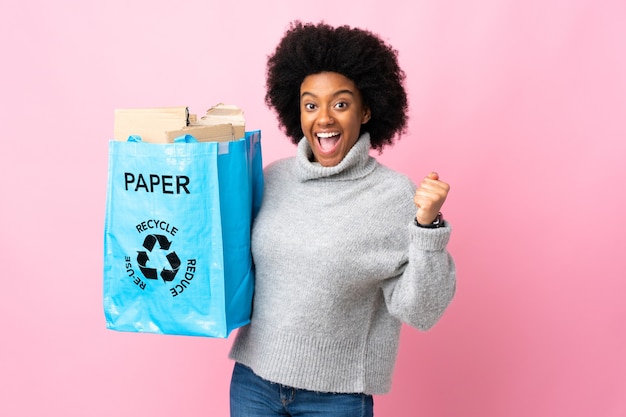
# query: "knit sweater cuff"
x,y
430,239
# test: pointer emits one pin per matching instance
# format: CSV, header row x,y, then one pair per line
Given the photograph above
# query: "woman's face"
x,y
331,115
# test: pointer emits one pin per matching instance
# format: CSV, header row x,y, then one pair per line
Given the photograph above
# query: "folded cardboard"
x,y
225,114
215,133
149,124
163,124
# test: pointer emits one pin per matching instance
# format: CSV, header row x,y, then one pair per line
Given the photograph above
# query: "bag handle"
x,y
134,138
185,139
181,139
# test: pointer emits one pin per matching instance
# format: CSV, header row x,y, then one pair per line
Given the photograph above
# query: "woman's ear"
x,y
367,115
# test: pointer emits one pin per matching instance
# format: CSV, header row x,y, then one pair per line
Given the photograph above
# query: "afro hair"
x,y
357,54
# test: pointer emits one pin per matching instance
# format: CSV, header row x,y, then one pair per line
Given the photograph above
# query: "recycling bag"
x,y
177,235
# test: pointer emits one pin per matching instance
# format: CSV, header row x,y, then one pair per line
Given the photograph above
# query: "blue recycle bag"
x,y
177,235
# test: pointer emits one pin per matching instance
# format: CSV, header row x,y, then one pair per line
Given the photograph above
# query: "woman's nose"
x,y
325,118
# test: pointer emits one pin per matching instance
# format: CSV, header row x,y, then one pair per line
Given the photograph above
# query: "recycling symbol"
x,y
169,268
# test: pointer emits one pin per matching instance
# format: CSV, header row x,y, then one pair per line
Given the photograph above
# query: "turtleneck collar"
x,y
356,164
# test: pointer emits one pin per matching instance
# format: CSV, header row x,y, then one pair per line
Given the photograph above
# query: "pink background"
x,y
519,104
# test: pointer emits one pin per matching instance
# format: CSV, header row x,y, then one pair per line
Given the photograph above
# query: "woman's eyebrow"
x,y
335,94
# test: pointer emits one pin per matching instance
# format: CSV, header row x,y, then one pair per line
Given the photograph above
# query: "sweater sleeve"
x,y
422,292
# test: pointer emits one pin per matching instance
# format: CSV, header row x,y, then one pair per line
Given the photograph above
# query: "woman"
x,y
345,249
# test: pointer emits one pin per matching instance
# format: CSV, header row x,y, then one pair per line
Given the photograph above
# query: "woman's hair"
x,y
356,54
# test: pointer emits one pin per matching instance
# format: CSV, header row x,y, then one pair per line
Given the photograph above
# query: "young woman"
x,y
345,249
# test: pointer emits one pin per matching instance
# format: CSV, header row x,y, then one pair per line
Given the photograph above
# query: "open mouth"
x,y
328,140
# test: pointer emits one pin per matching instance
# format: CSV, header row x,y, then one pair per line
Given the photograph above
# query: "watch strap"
x,y
438,222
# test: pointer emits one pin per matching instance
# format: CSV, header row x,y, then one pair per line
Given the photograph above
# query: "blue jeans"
x,y
252,396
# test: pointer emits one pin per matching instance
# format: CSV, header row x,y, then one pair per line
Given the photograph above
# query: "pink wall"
x,y
519,104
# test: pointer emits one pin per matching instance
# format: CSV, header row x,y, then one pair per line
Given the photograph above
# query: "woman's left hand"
x,y
429,198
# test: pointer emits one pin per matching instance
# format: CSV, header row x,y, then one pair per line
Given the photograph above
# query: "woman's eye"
x,y
309,106
341,105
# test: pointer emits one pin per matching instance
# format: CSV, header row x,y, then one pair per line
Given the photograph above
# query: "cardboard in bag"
x,y
162,125
150,124
225,114
216,133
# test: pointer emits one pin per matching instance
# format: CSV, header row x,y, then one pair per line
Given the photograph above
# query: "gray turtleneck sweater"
x,y
339,266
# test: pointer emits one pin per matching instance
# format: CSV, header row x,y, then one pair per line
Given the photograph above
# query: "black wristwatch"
x,y
438,222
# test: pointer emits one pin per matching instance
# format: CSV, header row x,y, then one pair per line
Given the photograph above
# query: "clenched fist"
x,y
429,198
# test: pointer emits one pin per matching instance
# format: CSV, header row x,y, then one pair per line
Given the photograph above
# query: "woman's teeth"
x,y
327,135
